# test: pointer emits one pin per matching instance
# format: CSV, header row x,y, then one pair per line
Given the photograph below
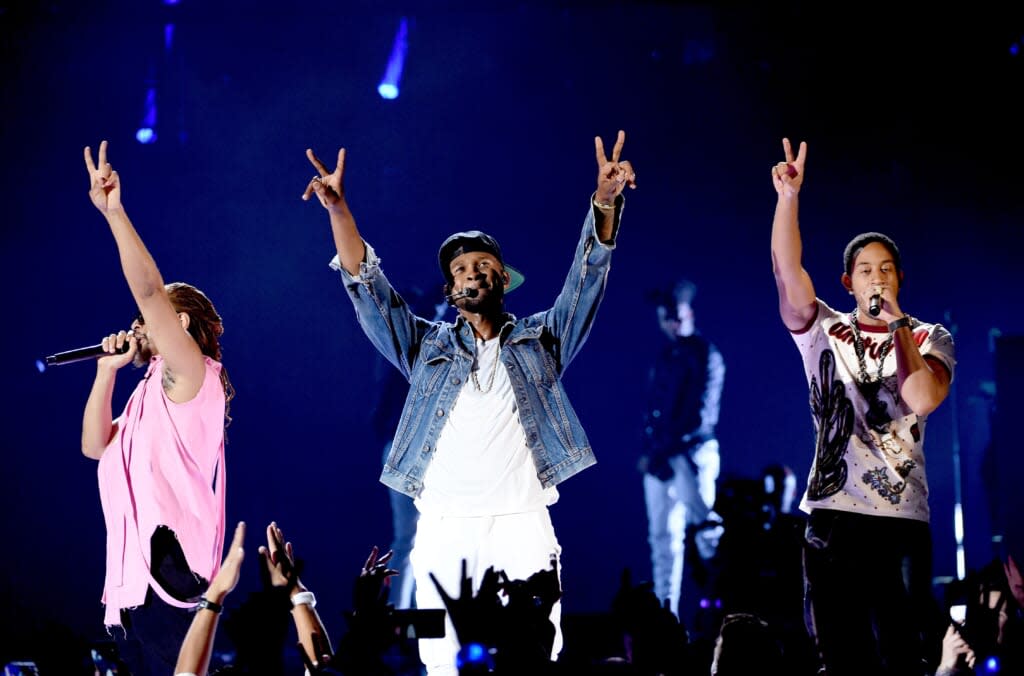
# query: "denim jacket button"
x,y
426,449
455,380
440,413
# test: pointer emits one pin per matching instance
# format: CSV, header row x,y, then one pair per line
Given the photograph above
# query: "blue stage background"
x,y
914,129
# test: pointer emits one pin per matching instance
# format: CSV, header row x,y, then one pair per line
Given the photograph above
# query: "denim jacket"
x,y
436,358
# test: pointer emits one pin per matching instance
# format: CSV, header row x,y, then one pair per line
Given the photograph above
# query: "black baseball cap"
x,y
474,240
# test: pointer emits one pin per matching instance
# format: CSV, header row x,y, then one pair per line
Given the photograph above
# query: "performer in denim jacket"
x,y
487,431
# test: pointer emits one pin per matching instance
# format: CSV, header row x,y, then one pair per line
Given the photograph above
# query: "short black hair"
x,y
862,240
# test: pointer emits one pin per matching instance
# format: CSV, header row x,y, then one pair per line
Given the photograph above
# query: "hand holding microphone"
x,y
120,348
122,345
875,302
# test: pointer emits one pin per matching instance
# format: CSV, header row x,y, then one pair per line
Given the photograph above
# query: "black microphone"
x,y
84,353
875,304
468,292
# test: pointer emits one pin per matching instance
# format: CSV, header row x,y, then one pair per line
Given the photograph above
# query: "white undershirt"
x,y
482,465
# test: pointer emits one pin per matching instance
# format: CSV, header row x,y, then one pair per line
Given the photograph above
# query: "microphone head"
x,y
875,305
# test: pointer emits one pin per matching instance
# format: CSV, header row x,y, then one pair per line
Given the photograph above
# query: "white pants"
x,y
519,544
684,500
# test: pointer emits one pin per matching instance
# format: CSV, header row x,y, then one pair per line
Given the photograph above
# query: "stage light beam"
x,y
147,130
389,85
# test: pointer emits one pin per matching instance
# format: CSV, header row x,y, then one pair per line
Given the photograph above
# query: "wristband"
x,y
903,321
304,598
602,206
207,604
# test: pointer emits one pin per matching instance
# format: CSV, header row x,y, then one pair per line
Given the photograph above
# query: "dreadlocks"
x,y
206,327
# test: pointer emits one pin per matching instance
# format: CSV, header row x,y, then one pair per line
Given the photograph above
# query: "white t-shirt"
x,y
482,465
869,449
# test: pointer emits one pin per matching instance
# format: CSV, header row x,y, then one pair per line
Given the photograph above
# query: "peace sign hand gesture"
x,y
612,175
788,176
104,183
328,186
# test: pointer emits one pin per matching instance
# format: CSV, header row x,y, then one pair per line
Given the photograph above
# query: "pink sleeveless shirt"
x,y
164,467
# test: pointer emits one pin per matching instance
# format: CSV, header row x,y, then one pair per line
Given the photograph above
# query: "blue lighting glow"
x,y
475,655
388,87
147,129
40,366
992,665
1015,49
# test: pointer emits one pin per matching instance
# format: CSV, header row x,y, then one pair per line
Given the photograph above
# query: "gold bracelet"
x,y
602,206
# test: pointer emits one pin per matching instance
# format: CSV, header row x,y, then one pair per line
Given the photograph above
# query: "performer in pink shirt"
x,y
161,462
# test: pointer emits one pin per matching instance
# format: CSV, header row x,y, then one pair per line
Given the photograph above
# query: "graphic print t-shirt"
x,y
869,444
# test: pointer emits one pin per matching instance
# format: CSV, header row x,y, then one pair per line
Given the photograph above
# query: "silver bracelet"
x,y
896,324
602,206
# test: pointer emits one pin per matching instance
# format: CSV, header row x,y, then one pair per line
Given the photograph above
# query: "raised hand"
x,y
368,592
1014,579
104,183
788,176
328,186
226,579
956,652
477,619
612,175
279,560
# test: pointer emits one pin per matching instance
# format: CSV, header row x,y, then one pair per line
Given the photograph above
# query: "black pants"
x,y
867,584
154,631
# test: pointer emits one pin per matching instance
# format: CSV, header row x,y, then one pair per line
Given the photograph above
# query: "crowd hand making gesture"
x,y
956,653
370,595
371,628
477,619
279,566
281,573
197,647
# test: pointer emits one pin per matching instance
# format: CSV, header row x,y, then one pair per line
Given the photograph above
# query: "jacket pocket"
x,y
428,374
537,361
